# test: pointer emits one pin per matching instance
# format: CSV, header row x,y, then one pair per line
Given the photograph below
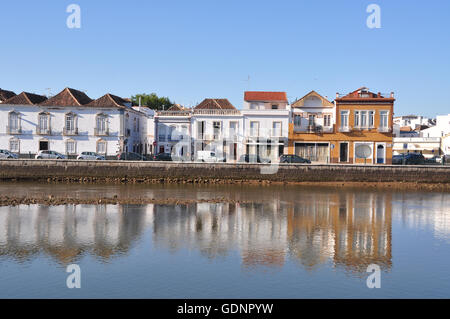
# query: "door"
x,y
380,154
43,145
343,152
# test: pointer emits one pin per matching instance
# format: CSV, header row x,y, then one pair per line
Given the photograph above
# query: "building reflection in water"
x,y
67,232
347,229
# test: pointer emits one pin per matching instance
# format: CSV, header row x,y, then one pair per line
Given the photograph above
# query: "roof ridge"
x,y
71,94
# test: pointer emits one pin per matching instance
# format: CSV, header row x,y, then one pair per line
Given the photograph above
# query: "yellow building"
x,y
356,128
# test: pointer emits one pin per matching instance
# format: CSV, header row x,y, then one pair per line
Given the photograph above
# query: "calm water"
x,y
287,242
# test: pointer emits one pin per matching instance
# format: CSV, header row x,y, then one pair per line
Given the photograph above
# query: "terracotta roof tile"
x,y
109,100
68,97
26,98
5,94
215,104
265,96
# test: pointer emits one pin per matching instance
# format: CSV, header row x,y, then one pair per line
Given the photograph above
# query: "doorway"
x,y
381,154
343,152
43,145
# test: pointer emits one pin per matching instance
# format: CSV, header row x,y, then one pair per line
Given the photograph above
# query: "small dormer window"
x,y
274,106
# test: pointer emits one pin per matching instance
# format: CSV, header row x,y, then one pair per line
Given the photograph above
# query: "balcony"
x,y
101,132
313,129
345,129
384,129
13,130
43,131
70,131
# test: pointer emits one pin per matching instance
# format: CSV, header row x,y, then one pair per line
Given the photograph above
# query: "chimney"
x,y
379,94
392,95
337,95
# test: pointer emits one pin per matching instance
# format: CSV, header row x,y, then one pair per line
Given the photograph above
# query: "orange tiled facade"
x,y
355,129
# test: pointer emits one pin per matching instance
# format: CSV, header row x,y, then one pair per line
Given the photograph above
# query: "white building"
x,y
217,126
266,123
70,123
413,121
441,128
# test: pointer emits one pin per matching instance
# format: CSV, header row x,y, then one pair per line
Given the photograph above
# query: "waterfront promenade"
x,y
192,172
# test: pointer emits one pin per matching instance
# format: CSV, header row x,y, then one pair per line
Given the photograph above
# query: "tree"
x,y
152,100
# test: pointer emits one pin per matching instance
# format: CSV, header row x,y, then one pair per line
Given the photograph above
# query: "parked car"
x,y
408,159
294,159
90,156
208,156
166,157
130,156
49,155
8,154
253,159
435,159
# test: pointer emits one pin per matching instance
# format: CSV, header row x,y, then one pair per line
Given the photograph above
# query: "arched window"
x,y
14,123
71,147
101,147
70,124
14,145
43,126
101,128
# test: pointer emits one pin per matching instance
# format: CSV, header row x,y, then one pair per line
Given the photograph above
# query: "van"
x,y
208,156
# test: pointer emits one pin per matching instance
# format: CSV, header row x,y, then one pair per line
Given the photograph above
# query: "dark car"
x,y
130,156
253,159
294,159
166,157
408,159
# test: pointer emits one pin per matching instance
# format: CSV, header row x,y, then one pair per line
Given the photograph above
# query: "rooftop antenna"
x,y
49,94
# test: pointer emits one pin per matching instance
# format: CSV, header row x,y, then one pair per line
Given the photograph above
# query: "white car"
x,y
8,154
208,156
92,156
49,155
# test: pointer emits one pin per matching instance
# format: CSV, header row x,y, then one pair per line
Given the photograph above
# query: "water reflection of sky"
x,y
341,232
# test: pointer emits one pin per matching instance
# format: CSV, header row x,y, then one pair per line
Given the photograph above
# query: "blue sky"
x,y
190,50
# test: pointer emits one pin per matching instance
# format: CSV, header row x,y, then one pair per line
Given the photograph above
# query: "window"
x,y
14,122
274,106
101,128
311,120
364,119
14,145
70,124
44,123
297,120
101,147
201,127
254,128
161,133
134,125
234,129
327,120
371,119
276,129
71,147
217,129
253,106
384,122
344,119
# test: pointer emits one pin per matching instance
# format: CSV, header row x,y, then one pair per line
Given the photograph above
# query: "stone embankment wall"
x,y
34,170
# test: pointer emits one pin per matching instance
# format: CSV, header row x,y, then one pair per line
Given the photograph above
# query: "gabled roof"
x,y
5,94
265,96
301,102
215,104
26,98
109,100
68,97
177,107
